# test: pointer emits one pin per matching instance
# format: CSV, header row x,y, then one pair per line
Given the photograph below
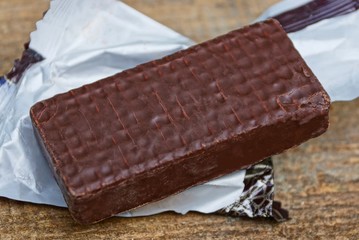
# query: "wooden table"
x,y
318,181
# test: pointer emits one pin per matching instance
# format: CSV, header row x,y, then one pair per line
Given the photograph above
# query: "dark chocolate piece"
x,y
315,11
164,126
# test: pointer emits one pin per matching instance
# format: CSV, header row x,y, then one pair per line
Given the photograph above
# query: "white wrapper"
x,y
83,41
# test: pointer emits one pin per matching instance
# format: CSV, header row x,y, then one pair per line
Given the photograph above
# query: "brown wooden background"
x,y
318,181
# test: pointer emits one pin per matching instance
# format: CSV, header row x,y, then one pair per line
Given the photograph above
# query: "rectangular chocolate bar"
x,y
164,126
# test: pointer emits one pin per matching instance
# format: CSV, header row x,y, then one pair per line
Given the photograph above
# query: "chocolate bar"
x,y
315,11
164,126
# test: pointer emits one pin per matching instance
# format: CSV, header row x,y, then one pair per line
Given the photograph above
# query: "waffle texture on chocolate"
x,y
164,126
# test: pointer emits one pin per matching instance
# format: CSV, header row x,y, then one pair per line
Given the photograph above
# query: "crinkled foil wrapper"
x,y
257,199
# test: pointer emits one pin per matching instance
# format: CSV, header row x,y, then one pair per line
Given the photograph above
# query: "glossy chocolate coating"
x,y
315,11
164,126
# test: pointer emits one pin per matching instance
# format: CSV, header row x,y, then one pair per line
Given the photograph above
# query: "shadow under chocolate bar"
x,y
164,126
315,11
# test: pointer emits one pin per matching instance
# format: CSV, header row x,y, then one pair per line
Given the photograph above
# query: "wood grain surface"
x,y
318,181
